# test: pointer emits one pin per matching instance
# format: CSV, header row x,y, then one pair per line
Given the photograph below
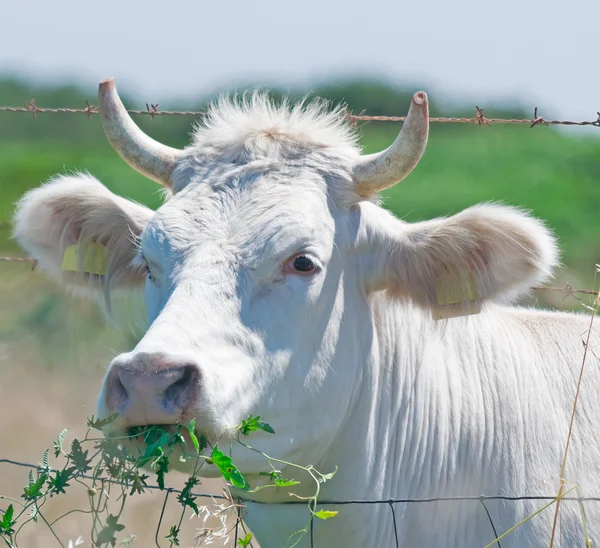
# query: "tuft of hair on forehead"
x,y
254,126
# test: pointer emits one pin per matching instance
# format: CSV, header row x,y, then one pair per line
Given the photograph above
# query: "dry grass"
x,y
53,352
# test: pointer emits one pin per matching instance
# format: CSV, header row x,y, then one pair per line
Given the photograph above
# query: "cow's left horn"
x,y
142,153
376,172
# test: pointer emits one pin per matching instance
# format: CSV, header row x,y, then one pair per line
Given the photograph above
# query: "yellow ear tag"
x,y
91,258
457,295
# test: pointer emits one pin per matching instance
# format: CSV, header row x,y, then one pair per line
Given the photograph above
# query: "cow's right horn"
x,y
151,158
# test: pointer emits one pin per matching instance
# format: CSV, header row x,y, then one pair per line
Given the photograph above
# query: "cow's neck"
x,y
390,440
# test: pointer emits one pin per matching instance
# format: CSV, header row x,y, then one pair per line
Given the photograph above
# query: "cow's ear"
x,y
82,235
452,265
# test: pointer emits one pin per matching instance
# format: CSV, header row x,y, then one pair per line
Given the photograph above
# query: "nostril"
x,y
116,393
179,394
120,390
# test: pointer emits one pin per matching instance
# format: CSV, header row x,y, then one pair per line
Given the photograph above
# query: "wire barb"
x,y
30,107
90,109
152,110
537,119
481,119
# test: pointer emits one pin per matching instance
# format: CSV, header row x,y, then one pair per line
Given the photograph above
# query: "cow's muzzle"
x,y
151,388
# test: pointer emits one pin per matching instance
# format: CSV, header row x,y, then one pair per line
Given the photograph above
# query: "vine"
x,y
103,465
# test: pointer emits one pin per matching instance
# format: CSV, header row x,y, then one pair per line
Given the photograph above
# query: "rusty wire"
x,y
31,261
567,289
89,110
480,119
152,111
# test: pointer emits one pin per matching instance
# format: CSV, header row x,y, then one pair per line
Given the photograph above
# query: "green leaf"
x,y
154,448
186,498
252,424
79,457
113,469
161,467
34,489
7,522
111,450
59,442
173,535
45,466
266,427
282,482
98,424
107,534
193,437
326,514
60,480
278,479
138,482
228,470
155,435
135,431
114,460
243,542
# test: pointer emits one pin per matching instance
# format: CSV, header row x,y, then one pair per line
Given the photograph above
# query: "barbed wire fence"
x,y
479,118
153,111
238,505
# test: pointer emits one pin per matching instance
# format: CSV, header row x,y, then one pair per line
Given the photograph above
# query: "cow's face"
x,y
254,307
260,272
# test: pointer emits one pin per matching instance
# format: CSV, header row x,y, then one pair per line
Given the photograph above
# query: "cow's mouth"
x,y
156,439
144,430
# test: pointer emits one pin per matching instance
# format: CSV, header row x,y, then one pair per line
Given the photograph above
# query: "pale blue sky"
x,y
539,52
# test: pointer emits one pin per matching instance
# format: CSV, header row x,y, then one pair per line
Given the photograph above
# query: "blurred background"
x,y
506,58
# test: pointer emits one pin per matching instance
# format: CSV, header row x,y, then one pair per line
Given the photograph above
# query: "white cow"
x,y
276,285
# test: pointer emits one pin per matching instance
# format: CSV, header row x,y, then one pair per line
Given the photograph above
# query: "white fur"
x,y
347,365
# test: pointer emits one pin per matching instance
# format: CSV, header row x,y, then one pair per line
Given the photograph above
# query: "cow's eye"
x,y
149,274
304,264
301,264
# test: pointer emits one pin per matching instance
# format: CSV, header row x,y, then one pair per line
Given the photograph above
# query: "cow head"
x,y
260,269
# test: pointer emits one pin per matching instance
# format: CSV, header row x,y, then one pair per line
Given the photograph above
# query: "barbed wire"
x,y
239,503
152,111
480,119
32,262
568,289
